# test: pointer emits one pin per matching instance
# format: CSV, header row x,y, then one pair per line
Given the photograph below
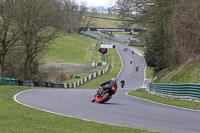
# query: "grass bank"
x,y
104,23
16,118
108,23
187,73
142,93
73,49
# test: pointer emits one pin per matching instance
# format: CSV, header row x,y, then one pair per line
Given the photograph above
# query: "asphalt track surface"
x,y
121,110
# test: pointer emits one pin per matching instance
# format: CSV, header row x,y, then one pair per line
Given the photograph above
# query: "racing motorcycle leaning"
x,y
103,95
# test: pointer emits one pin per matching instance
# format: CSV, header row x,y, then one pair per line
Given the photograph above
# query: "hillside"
x,y
188,73
69,55
112,21
73,49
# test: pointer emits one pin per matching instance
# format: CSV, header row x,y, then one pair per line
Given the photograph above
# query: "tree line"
x,y
173,32
26,28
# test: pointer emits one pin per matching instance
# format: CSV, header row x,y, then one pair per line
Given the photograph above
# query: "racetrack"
x,y
121,110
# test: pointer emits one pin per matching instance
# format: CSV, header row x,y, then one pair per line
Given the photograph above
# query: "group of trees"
x,y
103,10
26,28
172,27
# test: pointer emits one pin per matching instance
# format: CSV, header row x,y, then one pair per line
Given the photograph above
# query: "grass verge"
x,y
82,75
149,72
114,67
142,93
139,48
16,118
187,73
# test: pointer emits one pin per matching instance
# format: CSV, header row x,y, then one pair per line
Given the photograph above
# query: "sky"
x,y
96,3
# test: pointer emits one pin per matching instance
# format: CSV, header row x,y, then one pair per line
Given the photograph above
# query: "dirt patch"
x,y
66,67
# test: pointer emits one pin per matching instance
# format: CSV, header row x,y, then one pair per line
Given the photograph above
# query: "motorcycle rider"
x,y
122,83
136,67
131,61
110,85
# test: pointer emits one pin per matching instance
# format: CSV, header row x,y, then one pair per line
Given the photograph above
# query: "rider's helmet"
x,y
114,79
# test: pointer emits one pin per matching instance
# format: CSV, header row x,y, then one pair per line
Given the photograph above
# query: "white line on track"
x,y
15,99
121,62
161,103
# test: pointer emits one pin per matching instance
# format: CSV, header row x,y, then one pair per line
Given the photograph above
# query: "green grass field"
x,y
107,16
72,48
106,23
103,23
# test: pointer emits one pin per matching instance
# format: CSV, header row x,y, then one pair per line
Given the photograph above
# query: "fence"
x,y
16,82
185,91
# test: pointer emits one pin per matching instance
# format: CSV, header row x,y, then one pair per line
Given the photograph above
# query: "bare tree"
x,y
89,18
35,19
184,29
72,15
26,28
9,33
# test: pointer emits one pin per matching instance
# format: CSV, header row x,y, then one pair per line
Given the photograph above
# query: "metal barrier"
x,y
184,91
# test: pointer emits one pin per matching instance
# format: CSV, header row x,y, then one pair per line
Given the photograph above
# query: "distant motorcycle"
x,y
122,83
136,67
103,95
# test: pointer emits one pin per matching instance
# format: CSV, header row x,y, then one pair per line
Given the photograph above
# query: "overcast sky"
x,y
96,3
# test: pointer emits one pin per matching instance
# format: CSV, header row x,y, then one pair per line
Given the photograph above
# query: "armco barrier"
x,y
184,91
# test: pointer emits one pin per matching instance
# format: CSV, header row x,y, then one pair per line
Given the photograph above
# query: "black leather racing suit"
x,y
109,84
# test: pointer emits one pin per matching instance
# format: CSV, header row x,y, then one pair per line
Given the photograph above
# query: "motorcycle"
x,y
103,95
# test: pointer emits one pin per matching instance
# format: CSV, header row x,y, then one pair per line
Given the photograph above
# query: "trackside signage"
x,y
114,30
110,29
107,46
